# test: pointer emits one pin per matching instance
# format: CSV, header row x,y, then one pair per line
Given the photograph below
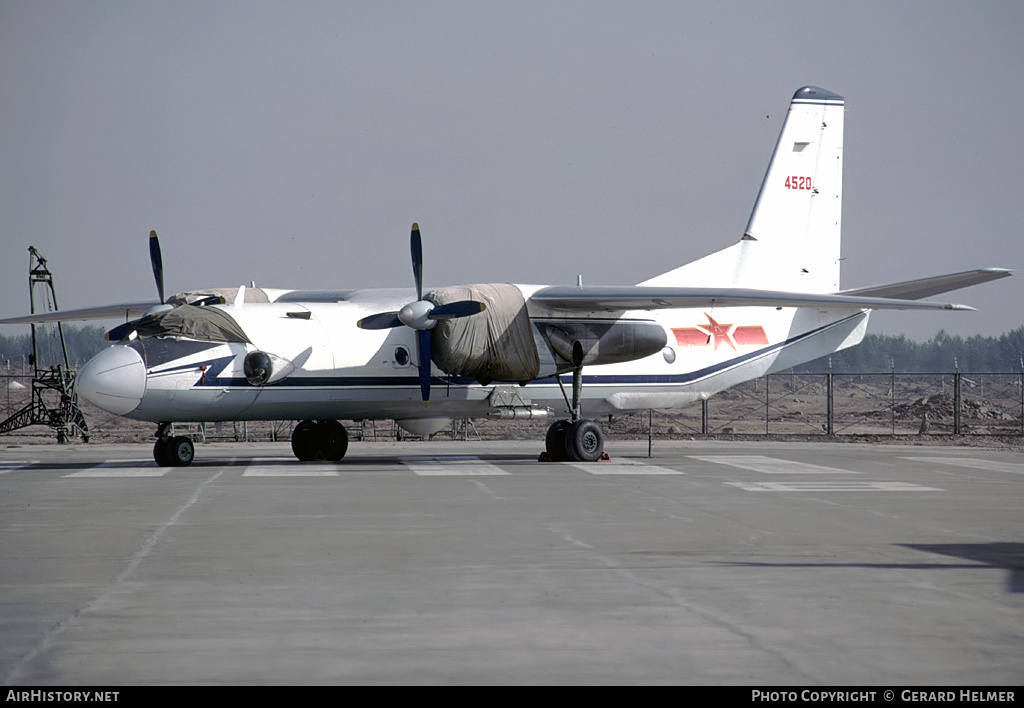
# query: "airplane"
x,y
766,303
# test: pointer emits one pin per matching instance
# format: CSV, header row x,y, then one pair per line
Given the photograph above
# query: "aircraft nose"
x,y
114,380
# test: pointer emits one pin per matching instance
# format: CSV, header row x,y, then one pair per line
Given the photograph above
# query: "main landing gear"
x,y
574,441
176,451
319,440
577,439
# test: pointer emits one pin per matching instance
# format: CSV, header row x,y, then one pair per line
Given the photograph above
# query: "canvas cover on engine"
x,y
494,345
208,324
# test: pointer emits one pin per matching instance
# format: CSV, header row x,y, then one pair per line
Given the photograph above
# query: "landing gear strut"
x,y
319,440
577,439
177,451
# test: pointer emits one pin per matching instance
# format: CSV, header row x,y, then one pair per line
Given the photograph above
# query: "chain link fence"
x,y
861,404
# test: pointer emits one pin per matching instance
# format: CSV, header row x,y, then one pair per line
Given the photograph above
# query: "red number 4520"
x,y
793,182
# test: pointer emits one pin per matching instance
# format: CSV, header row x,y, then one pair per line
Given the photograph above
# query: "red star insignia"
x,y
719,332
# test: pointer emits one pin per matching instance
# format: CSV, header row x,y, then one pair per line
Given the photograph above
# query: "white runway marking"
x,y
832,487
291,470
974,463
6,467
769,465
620,467
449,466
123,468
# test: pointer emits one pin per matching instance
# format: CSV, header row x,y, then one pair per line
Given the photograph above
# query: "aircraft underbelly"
x,y
194,403
352,401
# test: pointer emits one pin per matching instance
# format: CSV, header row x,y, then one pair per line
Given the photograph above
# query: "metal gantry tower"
x,y
53,401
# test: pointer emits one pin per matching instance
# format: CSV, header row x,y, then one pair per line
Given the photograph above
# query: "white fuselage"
x,y
335,370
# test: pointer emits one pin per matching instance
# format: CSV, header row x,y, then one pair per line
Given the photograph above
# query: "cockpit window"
x,y
208,324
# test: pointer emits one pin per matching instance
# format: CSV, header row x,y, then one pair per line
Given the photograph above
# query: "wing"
x,y
127,310
926,287
658,298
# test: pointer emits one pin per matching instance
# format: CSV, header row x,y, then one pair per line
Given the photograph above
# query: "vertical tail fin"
x,y
792,238
798,211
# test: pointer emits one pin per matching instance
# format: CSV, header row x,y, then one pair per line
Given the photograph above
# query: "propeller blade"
x,y
416,246
423,352
461,308
382,320
121,331
158,264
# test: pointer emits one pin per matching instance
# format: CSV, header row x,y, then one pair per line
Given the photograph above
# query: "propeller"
x,y
158,264
421,315
156,260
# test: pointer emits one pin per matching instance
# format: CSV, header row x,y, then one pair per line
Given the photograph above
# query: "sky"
x,y
294,144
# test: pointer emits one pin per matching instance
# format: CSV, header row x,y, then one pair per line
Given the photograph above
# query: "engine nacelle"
x,y
494,345
498,344
583,342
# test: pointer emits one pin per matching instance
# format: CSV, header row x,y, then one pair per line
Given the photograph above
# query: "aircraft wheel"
x,y
161,452
304,441
554,443
584,441
332,440
182,451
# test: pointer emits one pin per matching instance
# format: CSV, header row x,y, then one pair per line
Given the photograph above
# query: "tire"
x,y
584,441
304,441
332,440
181,451
554,443
162,452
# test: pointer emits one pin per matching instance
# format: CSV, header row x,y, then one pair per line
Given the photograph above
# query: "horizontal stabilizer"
x,y
926,287
576,298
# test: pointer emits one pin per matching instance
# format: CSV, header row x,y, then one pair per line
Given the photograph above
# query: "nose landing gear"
x,y
168,451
